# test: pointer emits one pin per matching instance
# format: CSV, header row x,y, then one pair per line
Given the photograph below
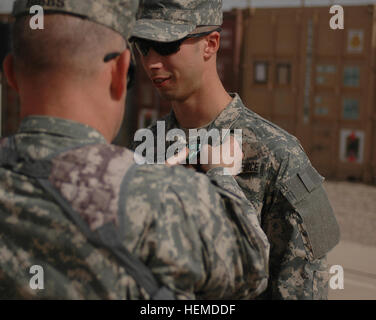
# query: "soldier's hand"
x,y
178,159
227,155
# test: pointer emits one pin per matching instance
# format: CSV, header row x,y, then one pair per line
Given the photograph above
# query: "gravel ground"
x,y
354,205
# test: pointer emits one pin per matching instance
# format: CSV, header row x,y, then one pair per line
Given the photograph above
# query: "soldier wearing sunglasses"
x,y
178,41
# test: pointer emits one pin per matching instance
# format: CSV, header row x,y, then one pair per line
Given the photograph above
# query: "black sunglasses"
x,y
165,48
131,70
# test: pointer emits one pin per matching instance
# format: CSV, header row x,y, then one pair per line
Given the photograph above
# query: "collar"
x,y
225,120
60,127
228,117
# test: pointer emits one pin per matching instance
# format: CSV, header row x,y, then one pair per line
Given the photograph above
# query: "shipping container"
x,y
316,83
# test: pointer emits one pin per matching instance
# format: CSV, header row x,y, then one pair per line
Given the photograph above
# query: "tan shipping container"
x,y
316,83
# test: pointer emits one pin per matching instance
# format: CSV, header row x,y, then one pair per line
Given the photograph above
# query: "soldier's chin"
x,y
166,95
171,95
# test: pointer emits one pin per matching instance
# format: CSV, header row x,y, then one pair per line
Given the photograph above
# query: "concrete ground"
x,y
355,208
359,266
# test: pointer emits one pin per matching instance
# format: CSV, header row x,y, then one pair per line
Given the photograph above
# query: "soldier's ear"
x,y
8,67
120,67
212,43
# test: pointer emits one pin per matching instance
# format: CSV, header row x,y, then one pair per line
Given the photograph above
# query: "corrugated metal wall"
x,y
316,83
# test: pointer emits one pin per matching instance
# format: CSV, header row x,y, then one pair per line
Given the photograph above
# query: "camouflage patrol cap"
x,y
118,15
171,20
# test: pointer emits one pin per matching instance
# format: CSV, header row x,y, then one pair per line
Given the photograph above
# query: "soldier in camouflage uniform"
x,y
76,205
277,176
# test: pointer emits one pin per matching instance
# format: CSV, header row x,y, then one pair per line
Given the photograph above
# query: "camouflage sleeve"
x,y
228,187
301,228
293,275
196,243
226,181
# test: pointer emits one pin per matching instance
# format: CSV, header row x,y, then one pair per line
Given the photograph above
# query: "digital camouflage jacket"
x,y
196,241
292,206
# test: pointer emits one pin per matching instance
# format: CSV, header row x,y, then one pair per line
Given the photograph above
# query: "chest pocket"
x,y
320,230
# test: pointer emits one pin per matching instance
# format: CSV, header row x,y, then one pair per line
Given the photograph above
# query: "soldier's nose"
x,y
153,60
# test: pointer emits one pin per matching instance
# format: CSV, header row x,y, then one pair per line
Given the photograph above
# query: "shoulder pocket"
x,y
306,194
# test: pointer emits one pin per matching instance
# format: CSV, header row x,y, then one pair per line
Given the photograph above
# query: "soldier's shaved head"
x,y
74,34
66,44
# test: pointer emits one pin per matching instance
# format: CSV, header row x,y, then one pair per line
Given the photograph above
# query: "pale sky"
x,y
228,4
6,5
